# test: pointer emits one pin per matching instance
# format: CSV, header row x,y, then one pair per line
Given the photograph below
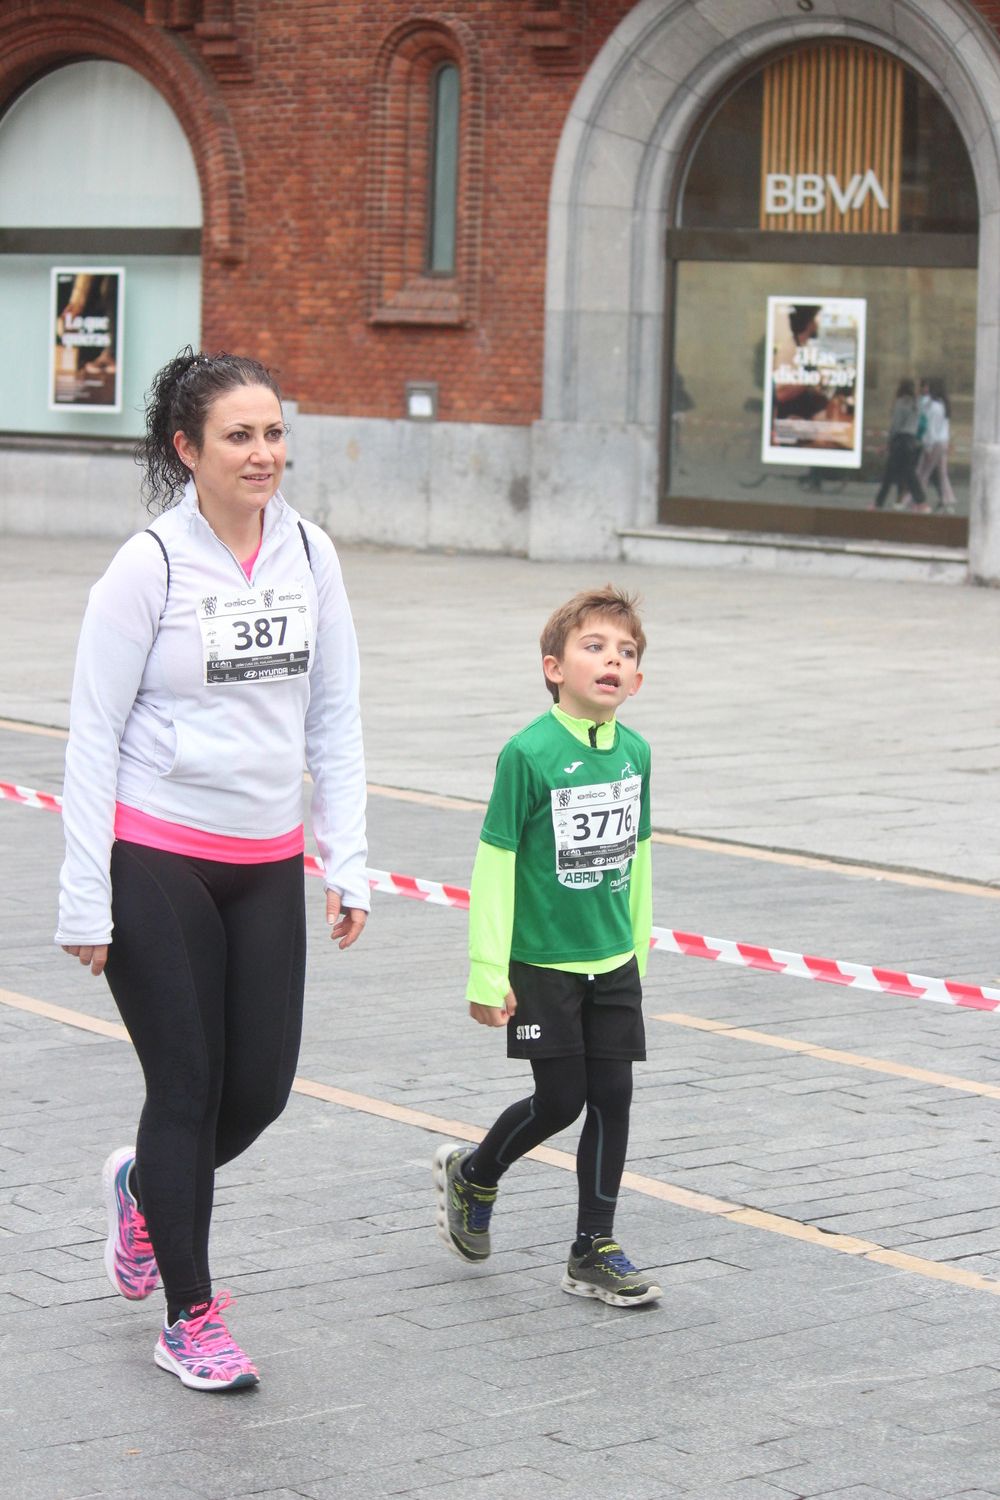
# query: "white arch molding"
x,y
596,450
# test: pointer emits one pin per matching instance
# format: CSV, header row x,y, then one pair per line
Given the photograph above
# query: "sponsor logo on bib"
x,y
578,878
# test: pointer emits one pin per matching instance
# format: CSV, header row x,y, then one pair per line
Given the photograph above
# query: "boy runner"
x,y
559,925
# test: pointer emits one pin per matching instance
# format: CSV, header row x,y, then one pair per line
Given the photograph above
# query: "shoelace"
x,y
479,1215
137,1234
618,1261
213,1337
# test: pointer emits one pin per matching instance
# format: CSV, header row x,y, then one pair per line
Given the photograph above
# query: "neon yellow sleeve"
x,y
640,900
491,923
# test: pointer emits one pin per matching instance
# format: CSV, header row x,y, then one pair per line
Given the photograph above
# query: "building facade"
x,y
552,277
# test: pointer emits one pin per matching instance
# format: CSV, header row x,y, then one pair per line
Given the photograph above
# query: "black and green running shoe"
x,y
463,1209
606,1272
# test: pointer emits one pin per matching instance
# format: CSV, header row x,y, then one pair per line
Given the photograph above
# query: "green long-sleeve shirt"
x,y
553,817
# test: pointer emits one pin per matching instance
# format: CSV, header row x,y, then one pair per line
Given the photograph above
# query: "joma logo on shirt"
x,y
528,1033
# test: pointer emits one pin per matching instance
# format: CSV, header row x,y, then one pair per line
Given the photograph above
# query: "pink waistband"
x,y
135,827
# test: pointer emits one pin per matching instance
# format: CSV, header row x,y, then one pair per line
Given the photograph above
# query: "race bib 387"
x,y
260,635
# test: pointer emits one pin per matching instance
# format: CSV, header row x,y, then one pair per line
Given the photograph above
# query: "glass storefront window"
x,y
719,364
832,172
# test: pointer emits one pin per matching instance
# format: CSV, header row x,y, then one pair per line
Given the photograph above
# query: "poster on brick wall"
x,y
86,318
814,382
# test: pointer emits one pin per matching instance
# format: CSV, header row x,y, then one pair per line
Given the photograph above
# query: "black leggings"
x,y
563,1085
207,967
901,470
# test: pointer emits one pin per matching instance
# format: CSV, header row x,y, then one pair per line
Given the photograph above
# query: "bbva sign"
x,y
807,192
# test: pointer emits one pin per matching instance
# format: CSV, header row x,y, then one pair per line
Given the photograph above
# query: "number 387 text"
x,y
260,632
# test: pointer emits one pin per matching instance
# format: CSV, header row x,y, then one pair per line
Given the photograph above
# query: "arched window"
x,y
443,170
425,181
825,233
99,198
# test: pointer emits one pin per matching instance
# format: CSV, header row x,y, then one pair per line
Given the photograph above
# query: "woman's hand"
x,y
347,923
94,954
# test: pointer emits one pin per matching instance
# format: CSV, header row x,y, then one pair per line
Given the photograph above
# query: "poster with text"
x,y
814,383
85,331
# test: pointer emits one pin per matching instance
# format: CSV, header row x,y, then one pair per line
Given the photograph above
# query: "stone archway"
x,y
618,163
34,39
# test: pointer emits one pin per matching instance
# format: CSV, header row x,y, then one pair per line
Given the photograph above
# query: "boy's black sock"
x,y
478,1176
584,1242
132,1183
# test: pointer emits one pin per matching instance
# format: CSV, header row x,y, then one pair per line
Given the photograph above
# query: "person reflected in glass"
x,y
902,452
935,442
681,403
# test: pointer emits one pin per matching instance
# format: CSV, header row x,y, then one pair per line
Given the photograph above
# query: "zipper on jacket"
x,y
592,733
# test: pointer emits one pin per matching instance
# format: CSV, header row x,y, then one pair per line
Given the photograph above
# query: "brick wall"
x,y
303,299
990,9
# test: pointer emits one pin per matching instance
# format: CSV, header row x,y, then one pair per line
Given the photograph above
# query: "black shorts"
x,y
576,1015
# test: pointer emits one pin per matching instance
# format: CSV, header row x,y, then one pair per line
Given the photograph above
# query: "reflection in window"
x,y
718,400
442,209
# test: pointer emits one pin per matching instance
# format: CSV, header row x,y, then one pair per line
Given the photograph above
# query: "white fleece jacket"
x,y
226,757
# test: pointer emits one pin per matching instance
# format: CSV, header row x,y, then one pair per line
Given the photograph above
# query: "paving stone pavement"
x,y
774,1366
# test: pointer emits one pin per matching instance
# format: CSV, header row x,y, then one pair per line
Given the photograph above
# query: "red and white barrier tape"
x,y
29,798
691,944
404,885
827,970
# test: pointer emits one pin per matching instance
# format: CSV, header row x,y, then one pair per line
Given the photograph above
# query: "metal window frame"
x,y
97,241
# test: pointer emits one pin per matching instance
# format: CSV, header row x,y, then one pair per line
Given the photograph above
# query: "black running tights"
x,y
563,1085
207,967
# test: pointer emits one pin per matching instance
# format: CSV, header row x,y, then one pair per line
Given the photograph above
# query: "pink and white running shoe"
x,y
202,1353
128,1255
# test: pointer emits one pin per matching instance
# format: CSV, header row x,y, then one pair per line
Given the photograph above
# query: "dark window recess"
x,y
938,190
722,186
443,184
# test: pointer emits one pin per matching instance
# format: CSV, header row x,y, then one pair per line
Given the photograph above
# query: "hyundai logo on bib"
x,y
807,192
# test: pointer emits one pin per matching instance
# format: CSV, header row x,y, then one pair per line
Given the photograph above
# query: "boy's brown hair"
x,y
609,603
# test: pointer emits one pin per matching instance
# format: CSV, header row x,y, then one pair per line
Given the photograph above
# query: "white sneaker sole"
x,y
614,1299
165,1360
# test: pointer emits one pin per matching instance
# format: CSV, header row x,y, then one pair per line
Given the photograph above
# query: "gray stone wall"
x,y
69,492
399,484
414,484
